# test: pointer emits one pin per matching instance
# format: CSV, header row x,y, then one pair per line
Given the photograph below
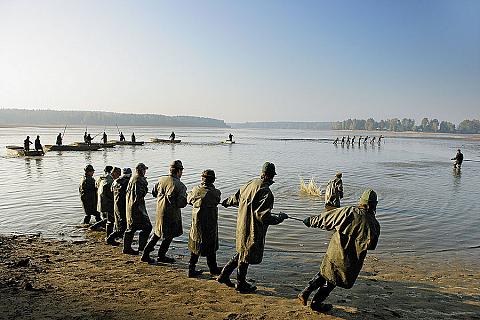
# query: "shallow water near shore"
x,y
425,207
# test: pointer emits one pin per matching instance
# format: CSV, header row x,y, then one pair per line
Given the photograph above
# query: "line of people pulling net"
x,y
359,140
117,201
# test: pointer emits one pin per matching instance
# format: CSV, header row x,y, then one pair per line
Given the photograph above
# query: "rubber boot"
x,y
149,248
227,270
100,225
111,239
163,250
109,229
143,237
192,273
316,282
242,285
322,294
127,243
212,265
98,217
86,219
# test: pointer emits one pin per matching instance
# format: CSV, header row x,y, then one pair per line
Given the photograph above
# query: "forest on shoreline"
x,y
397,125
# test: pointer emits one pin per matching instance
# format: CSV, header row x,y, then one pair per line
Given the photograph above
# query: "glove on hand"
x,y
283,216
306,222
224,203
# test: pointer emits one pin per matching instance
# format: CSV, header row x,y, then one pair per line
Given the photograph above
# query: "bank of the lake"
x,y
51,279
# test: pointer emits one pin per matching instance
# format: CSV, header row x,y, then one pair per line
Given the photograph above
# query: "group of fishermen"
x,y
87,138
27,143
360,140
119,198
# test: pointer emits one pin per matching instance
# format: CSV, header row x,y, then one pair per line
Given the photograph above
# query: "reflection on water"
x,y
421,201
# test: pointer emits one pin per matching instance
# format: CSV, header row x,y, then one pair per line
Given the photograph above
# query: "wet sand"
x,y
87,279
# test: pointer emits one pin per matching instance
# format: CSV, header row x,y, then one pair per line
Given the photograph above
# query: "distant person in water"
x,y
348,139
59,139
27,143
122,137
104,137
365,140
38,145
380,139
336,141
458,160
353,140
230,137
85,135
359,140
372,141
133,137
343,140
172,136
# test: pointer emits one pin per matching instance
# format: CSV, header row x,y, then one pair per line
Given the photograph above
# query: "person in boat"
x,y
27,143
230,137
171,196
88,195
203,236
336,141
38,144
255,204
334,191
172,136
122,137
355,230
458,160
134,139
104,137
59,139
136,211
89,139
119,189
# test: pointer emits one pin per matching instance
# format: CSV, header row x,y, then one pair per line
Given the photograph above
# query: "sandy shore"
x,y
50,279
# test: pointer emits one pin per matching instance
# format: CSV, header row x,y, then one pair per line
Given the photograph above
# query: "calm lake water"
x,y
424,206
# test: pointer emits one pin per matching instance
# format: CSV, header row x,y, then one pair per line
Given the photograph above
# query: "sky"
x,y
269,60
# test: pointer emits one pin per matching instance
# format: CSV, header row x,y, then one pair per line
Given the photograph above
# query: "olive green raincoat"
x,y
105,194
255,202
171,196
334,192
119,189
136,212
203,237
88,195
355,232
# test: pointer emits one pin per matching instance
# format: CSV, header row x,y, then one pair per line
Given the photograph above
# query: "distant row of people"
x,y
120,200
360,140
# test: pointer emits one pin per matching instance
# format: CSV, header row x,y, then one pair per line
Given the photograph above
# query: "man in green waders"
x,y
255,203
356,230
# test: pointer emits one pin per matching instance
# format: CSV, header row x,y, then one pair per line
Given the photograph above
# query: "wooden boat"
x,y
20,152
95,144
71,147
228,142
127,143
156,140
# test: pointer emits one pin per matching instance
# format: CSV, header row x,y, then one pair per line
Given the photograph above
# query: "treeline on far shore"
x,y
397,125
87,118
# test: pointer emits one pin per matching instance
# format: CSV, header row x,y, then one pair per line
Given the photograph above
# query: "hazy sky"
x,y
244,60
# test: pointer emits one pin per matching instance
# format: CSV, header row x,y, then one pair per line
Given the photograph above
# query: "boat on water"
x,y
71,147
228,141
95,144
156,140
127,143
18,151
